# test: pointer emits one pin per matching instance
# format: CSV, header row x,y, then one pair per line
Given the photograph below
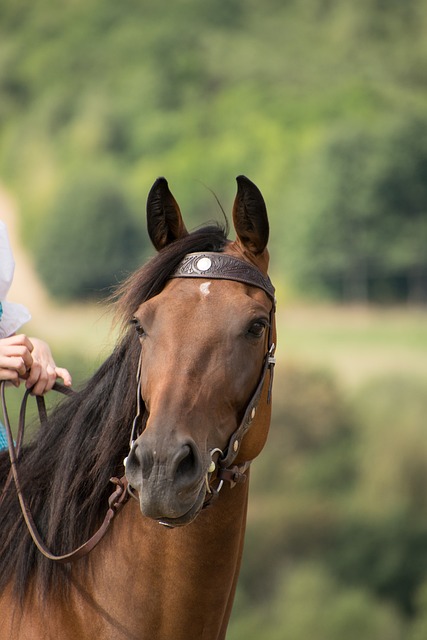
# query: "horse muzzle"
x,y
169,477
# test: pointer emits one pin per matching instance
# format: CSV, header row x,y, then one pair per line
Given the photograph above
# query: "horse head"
x,y
206,342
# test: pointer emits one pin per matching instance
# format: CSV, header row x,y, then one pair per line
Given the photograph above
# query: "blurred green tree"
x,y
91,239
366,231
310,603
342,483
418,630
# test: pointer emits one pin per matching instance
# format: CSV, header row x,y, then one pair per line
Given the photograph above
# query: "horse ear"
x,y
164,219
250,216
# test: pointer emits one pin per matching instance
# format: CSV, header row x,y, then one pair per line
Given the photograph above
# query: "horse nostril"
x,y
139,460
187,462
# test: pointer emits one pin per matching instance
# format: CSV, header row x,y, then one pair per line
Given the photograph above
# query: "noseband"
x,y
220,266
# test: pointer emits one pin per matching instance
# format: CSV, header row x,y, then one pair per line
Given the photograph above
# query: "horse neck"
x,y
165,583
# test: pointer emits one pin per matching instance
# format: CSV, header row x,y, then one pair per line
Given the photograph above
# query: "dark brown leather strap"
x,y
238,435
235,474
41,405
221,266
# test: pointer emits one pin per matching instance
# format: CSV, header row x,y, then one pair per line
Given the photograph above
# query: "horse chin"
x,y
186,518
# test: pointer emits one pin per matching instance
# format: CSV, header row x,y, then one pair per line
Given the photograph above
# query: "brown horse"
x,y
194,364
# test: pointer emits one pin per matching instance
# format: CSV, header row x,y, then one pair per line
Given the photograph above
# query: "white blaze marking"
x,y
204,288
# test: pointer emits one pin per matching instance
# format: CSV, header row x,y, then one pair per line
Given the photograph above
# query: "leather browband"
x,y
221,266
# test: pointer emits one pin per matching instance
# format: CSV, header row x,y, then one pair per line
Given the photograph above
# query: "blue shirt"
x,y
3,437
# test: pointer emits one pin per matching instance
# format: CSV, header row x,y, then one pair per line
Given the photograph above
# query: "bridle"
x,y
210,265
221,266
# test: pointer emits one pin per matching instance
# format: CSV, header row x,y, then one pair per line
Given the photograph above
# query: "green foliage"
x,y
206,91
338,532
310,453
365,236
310,420
387,556
90,240
309,603
419,628
392,449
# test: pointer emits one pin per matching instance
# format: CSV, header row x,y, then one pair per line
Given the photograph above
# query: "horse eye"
x,y
257,328
138,327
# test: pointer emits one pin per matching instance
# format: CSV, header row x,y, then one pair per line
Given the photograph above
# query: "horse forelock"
x,y
150,279
65,471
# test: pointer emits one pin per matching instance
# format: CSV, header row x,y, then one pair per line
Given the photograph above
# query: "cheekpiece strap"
x,y
221,266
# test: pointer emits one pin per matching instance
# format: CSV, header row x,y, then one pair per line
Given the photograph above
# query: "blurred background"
x,y
323,104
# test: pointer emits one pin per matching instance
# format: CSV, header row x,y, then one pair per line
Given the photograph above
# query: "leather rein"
x,y
115,501
194,265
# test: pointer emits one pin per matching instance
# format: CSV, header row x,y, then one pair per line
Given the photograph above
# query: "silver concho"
x,y
204,264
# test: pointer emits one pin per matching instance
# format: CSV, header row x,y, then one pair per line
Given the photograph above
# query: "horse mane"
x,y
65,470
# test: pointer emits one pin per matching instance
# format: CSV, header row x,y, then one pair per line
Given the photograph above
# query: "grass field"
x,y
357,343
